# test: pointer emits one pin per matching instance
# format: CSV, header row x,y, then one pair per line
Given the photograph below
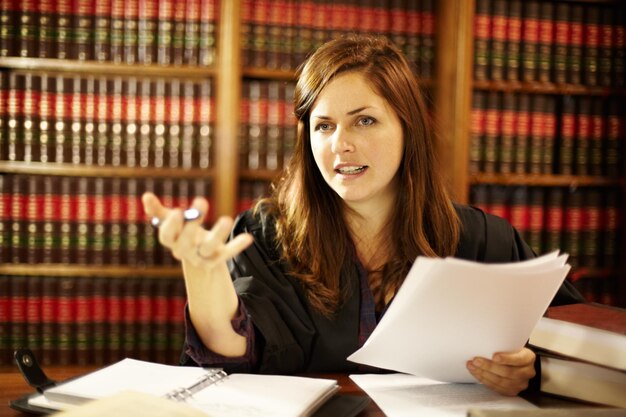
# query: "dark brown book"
x,y
164,32
513,39
8,28
427,39
83,25
46,29
479,197
33,307
83,321
208,37
492,132
554,219
147,31
101,31
583,135
522,134
530,40
18,310
115,317
99,319
545,50
64,32
178,34
66,324
520,210
576,42
537,133
573,227
605,49
499,201
482,36
260,28
610,234
6,219
536,214
619,47
145,313
549,136
591,48
597,134
592,228
49,318
477,131
615,129
27,39
562,29
567,136
498,40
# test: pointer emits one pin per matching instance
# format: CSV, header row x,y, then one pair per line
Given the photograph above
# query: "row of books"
x,y
280,34
86,221
267,124
547,41
121,31
91,320
546,134
106,120
583,222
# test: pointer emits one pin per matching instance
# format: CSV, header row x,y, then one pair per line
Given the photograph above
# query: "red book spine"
x,y
102,30
49,314
549,136
176,334
498,39
427,39
83,29
554,218
520,211
576,40
572,227
160,329
513,39
482,36
546,42
145,313
5,321
562,39
583,134
19,311
178,34
34,302
64,29
536,214
530,41
99,318
567,136
129,319
46,28
591,45
615,138
507,137
493,126
5,219
66,310
115,317
537,132
522,134
84,321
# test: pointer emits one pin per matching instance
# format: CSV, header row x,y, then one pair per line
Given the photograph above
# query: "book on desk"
x,y
582,349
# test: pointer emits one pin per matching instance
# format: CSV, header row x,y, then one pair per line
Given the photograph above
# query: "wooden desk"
x,y
13,385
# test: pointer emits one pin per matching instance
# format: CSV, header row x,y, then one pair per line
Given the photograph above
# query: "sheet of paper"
x,y
400,395
449,311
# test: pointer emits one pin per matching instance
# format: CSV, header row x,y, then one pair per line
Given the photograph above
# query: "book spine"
x,y
176,334
117,31
591,36
8,28
605,50
147,31
178,34
49,325
27,38
173,90
191,32
83,321
536,214
615,138
145,122
129,317
549,136
562,39
102,30
492,132
508,133
591,240
131,31
18,207
545,49
33,314
6,348
64,29
274,131
513,39
51,214
427,41
260,27
114,320
4,115
537,132
520,211
83,30
98,219
88,118
206,123
19,308
32,219
290,124
530,40
66,329
611,224
554,219
129,124
115,140
46,29
567,136
522,134
596,136
619,47
209,14
99,318
583,133
66,216
498,40
572,227
160,316
482,37
6,214
574,52
145,313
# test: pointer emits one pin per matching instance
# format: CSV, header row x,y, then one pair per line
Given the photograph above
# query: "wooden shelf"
x,y
259,174
105,68
269,74
90,271
543,180
70,170
545,88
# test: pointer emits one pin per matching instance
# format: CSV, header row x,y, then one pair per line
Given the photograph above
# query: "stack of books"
x,y
582,348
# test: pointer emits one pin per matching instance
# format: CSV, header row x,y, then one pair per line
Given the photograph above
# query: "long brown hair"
x,y
310,226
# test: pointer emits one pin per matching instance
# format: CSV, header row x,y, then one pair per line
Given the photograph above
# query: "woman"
x,y
305,277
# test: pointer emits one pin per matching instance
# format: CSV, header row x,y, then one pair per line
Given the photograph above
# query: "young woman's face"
x,y
357,141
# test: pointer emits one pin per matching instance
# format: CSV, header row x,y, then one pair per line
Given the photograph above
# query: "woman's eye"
x,y
323,127
366,121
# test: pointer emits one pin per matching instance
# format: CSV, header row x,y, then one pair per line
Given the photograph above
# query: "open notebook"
x,y
209,390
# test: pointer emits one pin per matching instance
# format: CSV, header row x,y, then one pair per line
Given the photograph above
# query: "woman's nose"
x,y
342,141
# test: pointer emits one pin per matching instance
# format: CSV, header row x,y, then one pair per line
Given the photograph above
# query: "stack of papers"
x,y
449,310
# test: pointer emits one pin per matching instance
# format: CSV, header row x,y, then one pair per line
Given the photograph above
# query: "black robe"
x,y
292,338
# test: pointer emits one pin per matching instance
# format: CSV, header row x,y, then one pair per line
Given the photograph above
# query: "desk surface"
x,y
13,385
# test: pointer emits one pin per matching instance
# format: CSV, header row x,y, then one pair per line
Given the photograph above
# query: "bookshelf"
x,y
246,41
579,171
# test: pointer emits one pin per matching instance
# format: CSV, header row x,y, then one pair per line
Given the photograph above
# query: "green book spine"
x,y
530,40
66,324
536,214
497,53
49,324
46,29
583,134
615,144
492,132
562,30
591,45
522,133
575,51
567,136
572,227
507,138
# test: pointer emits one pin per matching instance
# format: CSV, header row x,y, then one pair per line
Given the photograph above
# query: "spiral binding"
x,y
213,376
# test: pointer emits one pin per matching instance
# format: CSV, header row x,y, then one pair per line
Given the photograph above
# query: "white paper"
x,y
448,311
400,395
